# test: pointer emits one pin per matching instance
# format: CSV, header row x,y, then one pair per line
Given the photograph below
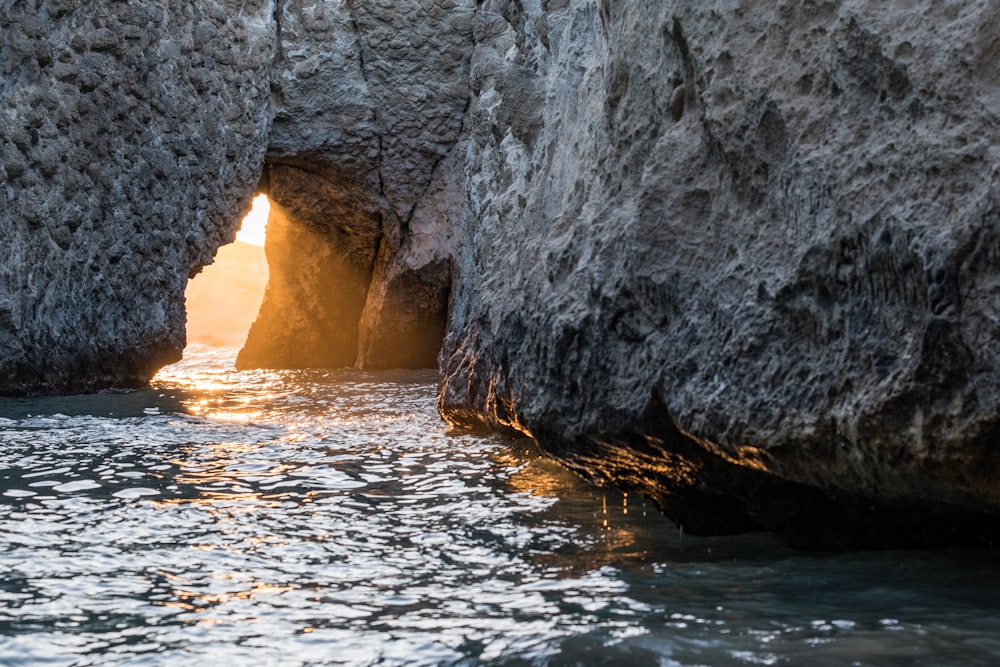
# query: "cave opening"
x,y
335,285
223,299
346,288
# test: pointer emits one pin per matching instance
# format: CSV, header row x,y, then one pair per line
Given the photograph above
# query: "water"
x,y
328,518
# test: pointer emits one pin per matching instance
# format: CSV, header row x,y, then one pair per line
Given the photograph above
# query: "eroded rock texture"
x,y
132,136
742,257
739,256
370,100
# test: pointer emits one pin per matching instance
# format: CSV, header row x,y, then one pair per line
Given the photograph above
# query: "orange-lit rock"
x,y
320,251
367,160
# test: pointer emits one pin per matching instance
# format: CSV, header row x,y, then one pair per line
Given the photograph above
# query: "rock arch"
x,y
363,172
341,293
783,300
133,136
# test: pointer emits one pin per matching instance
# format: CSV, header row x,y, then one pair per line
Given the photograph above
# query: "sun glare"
x,y
255,222
222,301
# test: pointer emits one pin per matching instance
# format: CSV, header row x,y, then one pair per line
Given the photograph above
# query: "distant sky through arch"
x,y
254,223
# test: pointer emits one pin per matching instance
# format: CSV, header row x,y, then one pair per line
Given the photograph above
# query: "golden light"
x,y
255,222
223,300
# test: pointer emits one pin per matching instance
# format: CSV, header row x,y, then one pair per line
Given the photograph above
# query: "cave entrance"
x,y
223,300
349,284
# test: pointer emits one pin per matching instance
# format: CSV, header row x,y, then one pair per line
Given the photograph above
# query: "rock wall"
x,y
739,256
370,101
132,136
743,258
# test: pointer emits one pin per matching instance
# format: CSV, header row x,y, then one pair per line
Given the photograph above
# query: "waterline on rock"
x,y
328,517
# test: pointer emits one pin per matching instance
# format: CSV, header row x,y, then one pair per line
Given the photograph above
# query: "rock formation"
x,y
132,136
742,257
369,106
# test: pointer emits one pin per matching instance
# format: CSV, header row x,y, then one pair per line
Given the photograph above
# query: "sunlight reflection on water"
x,y
328,517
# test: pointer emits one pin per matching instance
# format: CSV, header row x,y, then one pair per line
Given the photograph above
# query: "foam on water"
x,y
313,517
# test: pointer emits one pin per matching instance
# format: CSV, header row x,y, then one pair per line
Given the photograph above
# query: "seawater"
x,y
331,518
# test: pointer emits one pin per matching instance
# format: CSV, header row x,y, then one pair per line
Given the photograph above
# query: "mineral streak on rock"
x,y
743,259
132,135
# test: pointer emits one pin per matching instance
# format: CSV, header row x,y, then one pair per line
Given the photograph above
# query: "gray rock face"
x,y
132,135
135,133
370,101
744,259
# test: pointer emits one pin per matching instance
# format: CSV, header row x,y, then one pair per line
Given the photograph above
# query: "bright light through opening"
x,y
255,222
223,300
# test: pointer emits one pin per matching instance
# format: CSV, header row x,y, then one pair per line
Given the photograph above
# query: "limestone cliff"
x,y
742,257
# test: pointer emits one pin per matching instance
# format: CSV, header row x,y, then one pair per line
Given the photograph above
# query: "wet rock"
x,y
407,309
746,265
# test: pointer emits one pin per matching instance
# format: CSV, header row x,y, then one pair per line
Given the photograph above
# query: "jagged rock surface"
x,y
370,99
739,256
132,135
743,258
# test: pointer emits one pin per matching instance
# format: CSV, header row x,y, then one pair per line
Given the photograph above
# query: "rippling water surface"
x,y
326,518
